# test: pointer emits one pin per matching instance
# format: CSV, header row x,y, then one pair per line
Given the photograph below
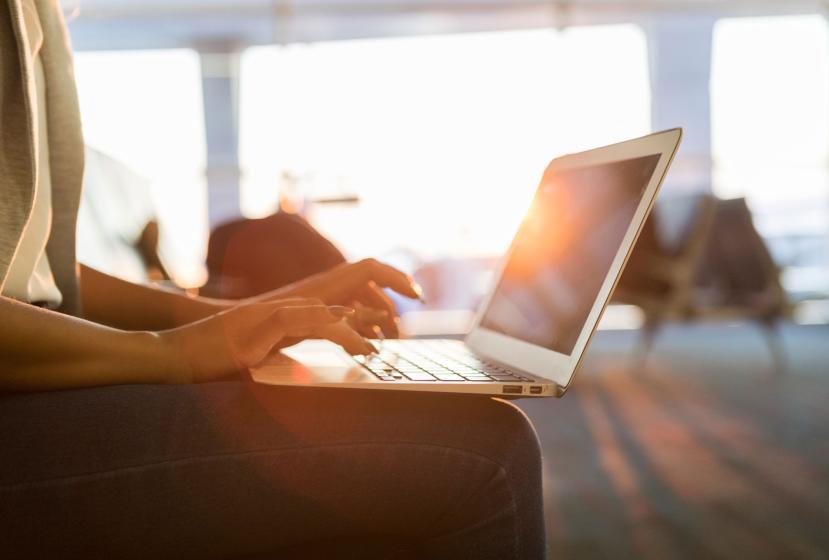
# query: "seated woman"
x,y
113,446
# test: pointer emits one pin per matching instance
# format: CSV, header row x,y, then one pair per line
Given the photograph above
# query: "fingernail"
x,y
341,311
419,291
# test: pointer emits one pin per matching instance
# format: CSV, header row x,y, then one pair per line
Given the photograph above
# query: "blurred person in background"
x,y
113,446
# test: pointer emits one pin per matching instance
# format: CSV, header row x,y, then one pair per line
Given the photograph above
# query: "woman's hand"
x,y
358,285
245,335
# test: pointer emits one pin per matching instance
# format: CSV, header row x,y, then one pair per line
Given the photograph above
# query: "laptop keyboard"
x,y
434,361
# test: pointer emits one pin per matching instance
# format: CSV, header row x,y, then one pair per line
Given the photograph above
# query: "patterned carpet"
x,y
703,453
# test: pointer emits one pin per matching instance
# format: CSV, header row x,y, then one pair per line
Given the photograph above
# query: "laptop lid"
x,y
568,254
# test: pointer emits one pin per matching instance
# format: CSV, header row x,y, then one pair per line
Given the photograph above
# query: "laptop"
x,y
531,331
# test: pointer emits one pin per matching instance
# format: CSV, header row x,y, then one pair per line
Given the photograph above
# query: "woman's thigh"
x,y
236,468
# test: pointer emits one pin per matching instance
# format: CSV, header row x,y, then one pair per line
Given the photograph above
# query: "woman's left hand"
x,y
359,285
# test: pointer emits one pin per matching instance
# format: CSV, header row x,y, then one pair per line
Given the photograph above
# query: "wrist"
x,y
169,362
202,308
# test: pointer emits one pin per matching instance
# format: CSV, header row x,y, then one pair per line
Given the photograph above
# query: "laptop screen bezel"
x,y
543,362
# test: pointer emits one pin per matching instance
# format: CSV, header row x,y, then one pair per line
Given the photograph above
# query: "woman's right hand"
x,y
243,336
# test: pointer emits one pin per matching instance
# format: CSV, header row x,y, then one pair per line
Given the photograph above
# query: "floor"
x,y
703,452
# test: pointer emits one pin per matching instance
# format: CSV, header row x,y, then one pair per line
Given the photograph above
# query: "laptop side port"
x,y
513,389
536,390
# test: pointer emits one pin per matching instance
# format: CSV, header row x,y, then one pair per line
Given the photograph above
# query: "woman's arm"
x,y
43,350
124,305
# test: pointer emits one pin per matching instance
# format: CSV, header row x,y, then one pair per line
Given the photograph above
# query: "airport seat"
x,y
738,278
712,265
661,271
248,257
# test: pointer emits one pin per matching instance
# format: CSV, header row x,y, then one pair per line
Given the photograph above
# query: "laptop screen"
x,y
564,249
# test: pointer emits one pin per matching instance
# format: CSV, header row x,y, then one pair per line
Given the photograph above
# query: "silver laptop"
x,y
533,328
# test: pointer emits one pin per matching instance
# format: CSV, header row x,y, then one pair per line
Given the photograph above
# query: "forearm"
x,y
43,350
124,305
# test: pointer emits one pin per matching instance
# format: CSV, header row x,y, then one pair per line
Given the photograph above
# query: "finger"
x,y
290,340
266,308
378,333
264,335
298,334
291,318
294,302
341,333
375,298
350,278
360,322
366,330
389,277
369,315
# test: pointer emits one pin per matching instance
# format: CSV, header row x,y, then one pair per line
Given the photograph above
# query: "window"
x,y
145,109
770,135
442,139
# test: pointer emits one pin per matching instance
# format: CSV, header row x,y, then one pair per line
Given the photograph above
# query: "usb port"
x,y
535,390
512,389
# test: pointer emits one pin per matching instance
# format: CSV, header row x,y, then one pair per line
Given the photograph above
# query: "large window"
x,y
770,135
145,110
437,141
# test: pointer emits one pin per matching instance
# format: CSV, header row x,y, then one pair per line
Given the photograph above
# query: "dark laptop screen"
x,y
564,249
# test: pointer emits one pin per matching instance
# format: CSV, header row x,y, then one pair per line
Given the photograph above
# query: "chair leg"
x,y
646,341
774,342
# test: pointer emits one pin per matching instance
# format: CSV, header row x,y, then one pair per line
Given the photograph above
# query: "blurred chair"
x,y
249,257
713,265
738,278
661,272
117,229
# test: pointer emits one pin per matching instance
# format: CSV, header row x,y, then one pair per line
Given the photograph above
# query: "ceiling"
x,y
229,24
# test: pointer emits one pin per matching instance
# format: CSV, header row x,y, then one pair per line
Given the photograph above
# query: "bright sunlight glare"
x,y
442,138
770,118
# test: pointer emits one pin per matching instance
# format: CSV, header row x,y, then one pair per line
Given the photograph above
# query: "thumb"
x,y
282,320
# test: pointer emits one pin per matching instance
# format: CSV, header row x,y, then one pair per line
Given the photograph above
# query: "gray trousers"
x,y
234,469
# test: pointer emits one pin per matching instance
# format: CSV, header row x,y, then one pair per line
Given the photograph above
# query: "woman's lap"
x,y
236,468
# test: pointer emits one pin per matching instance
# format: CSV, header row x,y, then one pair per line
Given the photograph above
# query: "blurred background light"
x,y
417,133
770,136
442,138
144,108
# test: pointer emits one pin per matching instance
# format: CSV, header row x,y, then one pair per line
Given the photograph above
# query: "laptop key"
x,y
422,376
409,368
465,370
449,377
435,370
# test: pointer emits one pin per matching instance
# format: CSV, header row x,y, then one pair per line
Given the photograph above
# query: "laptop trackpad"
x,y
309,362
319,353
